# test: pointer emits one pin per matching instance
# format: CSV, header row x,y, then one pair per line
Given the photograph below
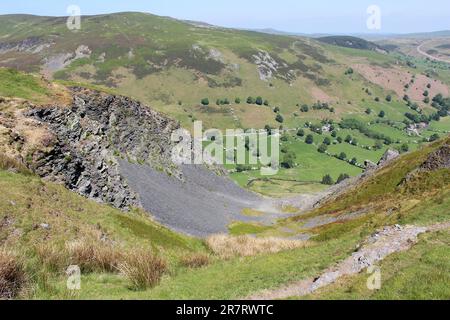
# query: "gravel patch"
x,y
202,205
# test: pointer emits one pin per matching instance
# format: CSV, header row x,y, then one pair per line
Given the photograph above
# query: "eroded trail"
x,y
375,249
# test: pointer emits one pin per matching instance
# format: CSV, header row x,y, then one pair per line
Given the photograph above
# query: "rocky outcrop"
x,y
388,156
89,137
440,159
30,45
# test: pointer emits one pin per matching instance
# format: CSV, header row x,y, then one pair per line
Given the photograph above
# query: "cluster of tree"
x,y
250,100
258,101
350,140
329,181
441,104
304,108
349,71
221,102
322,106
417,118
354,124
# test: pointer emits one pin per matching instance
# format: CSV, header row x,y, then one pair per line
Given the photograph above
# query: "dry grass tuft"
x,y
245,246
8,163
12,275
95,257
195,261
52,257
143,269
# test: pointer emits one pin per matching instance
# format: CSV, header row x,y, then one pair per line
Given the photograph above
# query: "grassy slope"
x,y
31,87
424,201
28,202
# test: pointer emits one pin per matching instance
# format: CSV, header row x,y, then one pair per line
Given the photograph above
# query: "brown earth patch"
x,y
396,79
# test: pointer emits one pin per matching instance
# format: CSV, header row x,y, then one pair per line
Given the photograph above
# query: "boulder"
x,y
388,156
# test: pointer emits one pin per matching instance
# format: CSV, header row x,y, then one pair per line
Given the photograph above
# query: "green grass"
x,y
20,85
242,228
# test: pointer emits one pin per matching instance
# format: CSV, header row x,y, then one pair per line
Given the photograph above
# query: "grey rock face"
x,y
90,135
440,159
388,156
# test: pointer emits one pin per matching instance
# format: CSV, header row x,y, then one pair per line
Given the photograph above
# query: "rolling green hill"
x,y
174,66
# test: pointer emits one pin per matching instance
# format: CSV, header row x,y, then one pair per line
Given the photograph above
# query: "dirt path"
x,y
380,245
420,51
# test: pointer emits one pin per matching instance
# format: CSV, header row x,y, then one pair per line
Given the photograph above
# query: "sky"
x,y
299,16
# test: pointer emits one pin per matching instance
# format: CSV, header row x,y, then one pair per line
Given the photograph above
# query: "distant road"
x,y
419,50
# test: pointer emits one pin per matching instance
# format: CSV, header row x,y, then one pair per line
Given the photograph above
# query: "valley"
x,y
87,176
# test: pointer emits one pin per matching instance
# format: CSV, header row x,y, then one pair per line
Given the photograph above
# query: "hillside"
x,y
113,149
351,42
45,228
304,85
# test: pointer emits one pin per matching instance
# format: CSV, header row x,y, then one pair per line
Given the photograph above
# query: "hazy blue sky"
x,y
316,16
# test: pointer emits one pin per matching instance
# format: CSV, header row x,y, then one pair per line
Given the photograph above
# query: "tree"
x,y
259,101
404,148
288,161
218,102
327,141
309,139
388,98
369,111
279,118
354,142
348,139
434,137
426,100
378,145
426,93
382,114
226,101
354,161
323,148
237,100
339,139
304,108
205,101
334,134
242,168
342,156
342,177
327,180
377,99
251,100
266,103
276,109
301,133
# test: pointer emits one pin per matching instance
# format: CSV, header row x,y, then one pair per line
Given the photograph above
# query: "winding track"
x,y
420,51
379,246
